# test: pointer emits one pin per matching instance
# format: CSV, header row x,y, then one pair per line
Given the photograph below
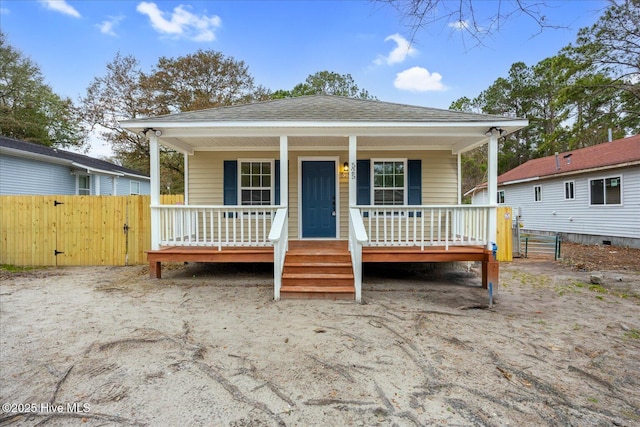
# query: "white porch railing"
x,y
215,226
357,238
424,226
278,236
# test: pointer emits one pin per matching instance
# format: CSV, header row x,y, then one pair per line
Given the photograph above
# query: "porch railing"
x,y
424,226
278,236
216,226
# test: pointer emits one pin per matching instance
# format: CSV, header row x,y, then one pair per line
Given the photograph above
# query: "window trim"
x,y
78,176
131,192
498,198
272,161
535,193
573,190
405,189
604,187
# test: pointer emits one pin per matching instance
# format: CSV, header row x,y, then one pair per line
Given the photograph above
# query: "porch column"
x,y
97,191
459,178
154,156
492,187
186,179
353,170
284,171
114,185
490,267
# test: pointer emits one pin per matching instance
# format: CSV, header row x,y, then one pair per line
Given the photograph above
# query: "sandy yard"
x,y
106,346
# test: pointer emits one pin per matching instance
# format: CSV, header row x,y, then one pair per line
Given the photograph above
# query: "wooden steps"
x,y
317,269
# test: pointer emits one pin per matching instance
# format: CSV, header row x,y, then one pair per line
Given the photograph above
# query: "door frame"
x,y
336,162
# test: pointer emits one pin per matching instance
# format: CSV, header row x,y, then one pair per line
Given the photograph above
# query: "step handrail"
x,y
357,238
278,236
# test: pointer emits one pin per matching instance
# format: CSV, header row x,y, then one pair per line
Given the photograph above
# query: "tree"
x,y
468,15
612,47
202,80
29,109
325,83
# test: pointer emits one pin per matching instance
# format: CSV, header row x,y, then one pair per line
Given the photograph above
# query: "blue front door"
x,y
318,199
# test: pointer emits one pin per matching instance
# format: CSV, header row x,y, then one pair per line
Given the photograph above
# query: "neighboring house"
x,y
28,168
320,184
590,195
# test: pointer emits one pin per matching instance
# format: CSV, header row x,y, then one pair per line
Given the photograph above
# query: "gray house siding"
x,y
23,176
577,218
26,176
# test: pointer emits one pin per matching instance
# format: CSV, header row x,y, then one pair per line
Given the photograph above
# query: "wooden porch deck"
x,y
322,268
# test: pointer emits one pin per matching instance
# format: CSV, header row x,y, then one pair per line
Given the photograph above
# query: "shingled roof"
x,y
62,156
608,154
326,108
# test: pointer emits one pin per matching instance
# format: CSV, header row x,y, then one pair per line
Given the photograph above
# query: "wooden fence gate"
x,y
76,230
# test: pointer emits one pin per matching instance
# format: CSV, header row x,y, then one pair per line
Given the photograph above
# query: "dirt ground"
x,y
106,346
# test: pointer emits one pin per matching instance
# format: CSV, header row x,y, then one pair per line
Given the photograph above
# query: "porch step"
x,y
317,269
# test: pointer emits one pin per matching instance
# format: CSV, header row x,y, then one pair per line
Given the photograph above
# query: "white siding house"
x,y
589,195
33,169
287,181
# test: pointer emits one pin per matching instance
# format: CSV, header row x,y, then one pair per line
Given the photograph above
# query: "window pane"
x,y
255,181
246,197
388,180
597,192
377,197
399,169
398,197
613,191
399,181
388,168
245,168
266,168
265,197
245,181
255,168
266,181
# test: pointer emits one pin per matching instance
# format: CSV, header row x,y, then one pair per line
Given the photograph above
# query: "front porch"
x,y
306,268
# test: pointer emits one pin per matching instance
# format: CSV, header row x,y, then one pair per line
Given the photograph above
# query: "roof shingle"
x,y
620,151
320,108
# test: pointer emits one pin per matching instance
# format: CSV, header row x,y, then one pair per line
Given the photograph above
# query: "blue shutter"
x,y
230,182
277,186
414,184
363,183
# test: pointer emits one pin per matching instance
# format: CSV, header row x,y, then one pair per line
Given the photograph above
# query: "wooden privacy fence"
x,y
76,230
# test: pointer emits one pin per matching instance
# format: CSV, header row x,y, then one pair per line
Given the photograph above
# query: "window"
x,y
537,193
134,187
389,182
84,185
255,182
501,197
605,191
569,190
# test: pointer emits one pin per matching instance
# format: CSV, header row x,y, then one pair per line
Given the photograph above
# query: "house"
x,y
318,185
589,195
28,168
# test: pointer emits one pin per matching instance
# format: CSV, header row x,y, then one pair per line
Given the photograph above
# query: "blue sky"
x,y
282,42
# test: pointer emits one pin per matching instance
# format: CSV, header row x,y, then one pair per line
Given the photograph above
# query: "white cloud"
x,y
459,25
399,54
107,26
418,79
181,22
61,6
